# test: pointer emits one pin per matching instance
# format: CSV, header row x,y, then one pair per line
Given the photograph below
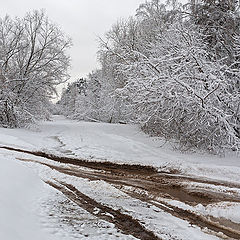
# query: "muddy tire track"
x,y
140,174
125,223
159,187
226,227
108,166
216,225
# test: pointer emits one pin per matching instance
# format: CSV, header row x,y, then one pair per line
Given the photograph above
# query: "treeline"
x,y
174,69
33,61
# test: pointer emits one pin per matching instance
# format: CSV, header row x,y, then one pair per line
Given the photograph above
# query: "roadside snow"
x,y
20,192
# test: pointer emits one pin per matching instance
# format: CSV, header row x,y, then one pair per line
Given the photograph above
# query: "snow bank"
x,y
20,191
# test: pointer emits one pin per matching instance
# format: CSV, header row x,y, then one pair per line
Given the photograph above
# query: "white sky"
x,y
82,20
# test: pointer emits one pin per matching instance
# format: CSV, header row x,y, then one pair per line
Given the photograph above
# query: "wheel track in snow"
x,y
140,179
230,229
125,223
227,227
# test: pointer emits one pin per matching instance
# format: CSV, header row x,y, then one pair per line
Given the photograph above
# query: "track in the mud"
x,y
156,185
125,223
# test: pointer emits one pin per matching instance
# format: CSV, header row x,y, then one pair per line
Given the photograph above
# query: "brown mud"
x,y
89,164
125,223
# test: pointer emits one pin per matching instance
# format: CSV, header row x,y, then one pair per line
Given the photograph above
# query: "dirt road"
x,y
146,184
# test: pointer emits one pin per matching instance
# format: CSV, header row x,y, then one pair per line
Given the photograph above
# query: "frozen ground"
x,y
27,205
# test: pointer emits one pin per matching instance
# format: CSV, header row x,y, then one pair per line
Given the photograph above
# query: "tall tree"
x,y
33,62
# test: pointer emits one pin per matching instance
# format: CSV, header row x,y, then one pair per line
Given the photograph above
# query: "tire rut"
x,y
125,223
160,187
230,230
108,166
159,182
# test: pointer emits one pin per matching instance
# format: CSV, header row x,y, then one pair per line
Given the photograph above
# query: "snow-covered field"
x,y
29,209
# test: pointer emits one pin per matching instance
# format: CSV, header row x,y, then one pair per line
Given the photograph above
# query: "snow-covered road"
x,y
184,195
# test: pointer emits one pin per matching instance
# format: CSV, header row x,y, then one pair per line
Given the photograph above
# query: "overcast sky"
x,y
82,20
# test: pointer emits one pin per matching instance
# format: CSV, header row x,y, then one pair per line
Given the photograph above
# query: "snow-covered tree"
x,y
33,62
166,70
97,103
220,22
